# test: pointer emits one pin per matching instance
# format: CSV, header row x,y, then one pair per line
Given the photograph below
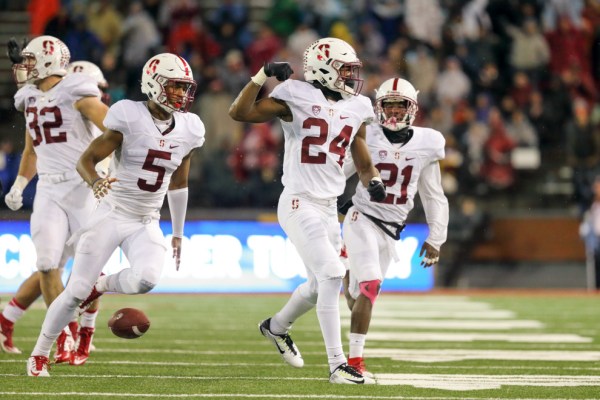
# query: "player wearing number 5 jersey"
x,y
63,114
407,158
152,143
322,119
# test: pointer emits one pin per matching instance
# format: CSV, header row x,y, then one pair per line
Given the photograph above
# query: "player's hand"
x,y
280,70
376,189
102,186
176,245
432,255
13,50
343,208
14,198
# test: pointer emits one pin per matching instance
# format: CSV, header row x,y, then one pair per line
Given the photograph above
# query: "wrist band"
x,y
94,182
260,78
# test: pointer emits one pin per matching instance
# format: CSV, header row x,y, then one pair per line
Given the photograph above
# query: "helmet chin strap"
x,y
401,136
331,94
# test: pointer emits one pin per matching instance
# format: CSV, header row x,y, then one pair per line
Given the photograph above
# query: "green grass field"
x,y
484,346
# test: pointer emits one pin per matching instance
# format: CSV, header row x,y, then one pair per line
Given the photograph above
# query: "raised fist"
x,y
13,50
280,70
376,189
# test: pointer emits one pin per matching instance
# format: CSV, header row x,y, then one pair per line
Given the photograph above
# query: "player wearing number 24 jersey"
x,y
322,119
152,143
407,158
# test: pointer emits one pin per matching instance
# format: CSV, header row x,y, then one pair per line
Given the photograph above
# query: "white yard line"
x,y
471,337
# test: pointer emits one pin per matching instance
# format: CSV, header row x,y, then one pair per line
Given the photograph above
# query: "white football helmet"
x,y
167,69
42,57
92,70
396,90
323,61
89,69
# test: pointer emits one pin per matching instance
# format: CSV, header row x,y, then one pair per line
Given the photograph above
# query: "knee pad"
x,y
309,291
370,289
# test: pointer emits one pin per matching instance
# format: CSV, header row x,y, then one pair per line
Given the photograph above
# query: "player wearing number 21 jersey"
x,y
152,143
407,158
322,119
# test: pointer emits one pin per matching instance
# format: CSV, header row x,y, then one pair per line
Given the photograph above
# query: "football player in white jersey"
x,y
64,114
407,158
322,118
152,143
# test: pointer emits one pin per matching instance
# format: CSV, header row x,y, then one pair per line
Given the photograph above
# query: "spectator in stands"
x,y
140,38
583,152
521,131
262,49
530,52
83,43
590,230
106,23
497,170
452,84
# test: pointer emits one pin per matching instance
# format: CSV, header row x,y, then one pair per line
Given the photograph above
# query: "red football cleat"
x,y
6,332
80,356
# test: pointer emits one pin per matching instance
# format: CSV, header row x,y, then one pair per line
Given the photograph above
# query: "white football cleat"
x,y
347,375
284,343
37,366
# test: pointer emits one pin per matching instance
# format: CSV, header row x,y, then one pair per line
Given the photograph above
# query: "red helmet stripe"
x,y
395,86
185,65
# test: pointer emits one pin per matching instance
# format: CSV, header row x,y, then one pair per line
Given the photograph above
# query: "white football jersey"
x,y
318,137
147,158
406,170
59,132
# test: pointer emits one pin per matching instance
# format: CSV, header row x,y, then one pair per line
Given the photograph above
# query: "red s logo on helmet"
x,y
48,47
152,67
325,49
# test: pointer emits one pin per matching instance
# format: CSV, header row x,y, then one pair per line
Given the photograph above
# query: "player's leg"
x,y
315,232
364,244
49,231
94,248
27,293
145,249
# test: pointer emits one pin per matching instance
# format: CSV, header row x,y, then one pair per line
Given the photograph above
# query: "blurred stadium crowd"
x,y
512,85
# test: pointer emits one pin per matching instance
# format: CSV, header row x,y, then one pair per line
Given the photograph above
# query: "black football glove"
x,y
13,50
376,190
343,208
280,70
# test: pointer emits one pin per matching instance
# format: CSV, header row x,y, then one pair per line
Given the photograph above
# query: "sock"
x,y
328,313
13,311
101,283
296,306
58,316
88,319
357,344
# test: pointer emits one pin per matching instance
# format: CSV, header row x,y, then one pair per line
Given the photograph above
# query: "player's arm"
x,y
93,109
27,170
98,150
367,173
27,166
435,205
177,196
245,108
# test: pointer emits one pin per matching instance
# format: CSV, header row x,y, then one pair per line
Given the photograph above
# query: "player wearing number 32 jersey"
x,y
61,111
152,143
